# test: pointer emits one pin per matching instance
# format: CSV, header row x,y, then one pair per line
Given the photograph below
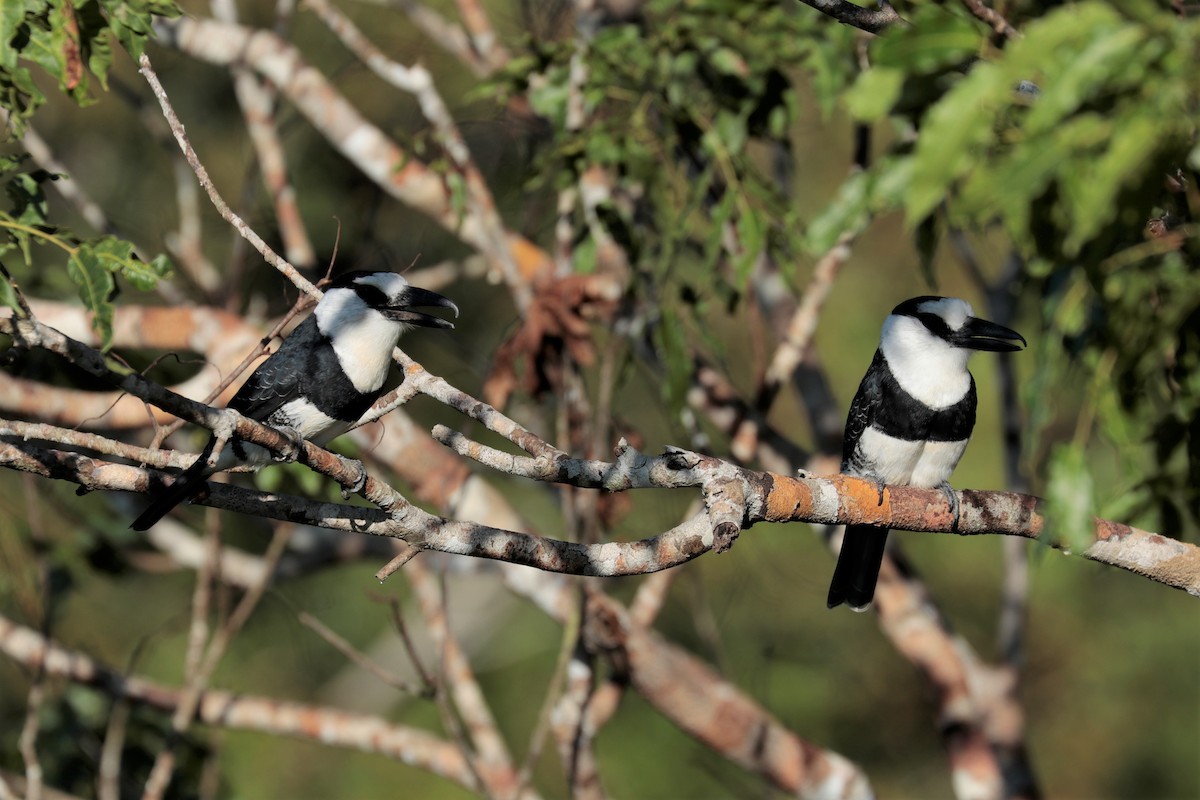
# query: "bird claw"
x,y
295,443
360,482
879,487
952,500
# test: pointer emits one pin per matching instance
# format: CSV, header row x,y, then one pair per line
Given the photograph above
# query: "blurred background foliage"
x,y
1050,177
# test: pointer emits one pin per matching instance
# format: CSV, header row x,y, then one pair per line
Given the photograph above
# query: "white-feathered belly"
x,y
922,464
308,421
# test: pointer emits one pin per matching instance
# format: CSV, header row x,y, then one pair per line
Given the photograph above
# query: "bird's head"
x,y
932,323
355,297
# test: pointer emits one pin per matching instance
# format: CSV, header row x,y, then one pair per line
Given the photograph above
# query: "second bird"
x,y
324,376
911,419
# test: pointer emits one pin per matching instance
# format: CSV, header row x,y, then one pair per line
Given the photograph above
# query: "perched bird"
x,y
911,419
324,376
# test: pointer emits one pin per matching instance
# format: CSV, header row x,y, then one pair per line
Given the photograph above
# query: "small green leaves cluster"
x,y
1049,138
688,109
92,265
675,105
70,40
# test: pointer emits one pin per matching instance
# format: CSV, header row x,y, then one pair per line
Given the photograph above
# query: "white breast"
x,y
922,464
362,337
364,349
938,460
928,368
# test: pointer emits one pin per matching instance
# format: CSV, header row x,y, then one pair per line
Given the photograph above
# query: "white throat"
x,y
362,337
927,367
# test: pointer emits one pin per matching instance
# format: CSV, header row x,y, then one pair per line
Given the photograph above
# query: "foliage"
x,y
685,109
91,263
68,40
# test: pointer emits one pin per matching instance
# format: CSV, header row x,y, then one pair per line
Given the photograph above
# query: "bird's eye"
x,y
371,295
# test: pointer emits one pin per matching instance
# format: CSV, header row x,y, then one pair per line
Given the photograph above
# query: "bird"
x,y
911,419
322,379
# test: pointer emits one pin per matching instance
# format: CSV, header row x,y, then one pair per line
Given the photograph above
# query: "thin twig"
x,y
258,100
875,20
269,255
992,18
108,774
328,726
27,742
354,654
419,82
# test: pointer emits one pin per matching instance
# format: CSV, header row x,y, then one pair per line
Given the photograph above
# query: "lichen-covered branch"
x,y
765,497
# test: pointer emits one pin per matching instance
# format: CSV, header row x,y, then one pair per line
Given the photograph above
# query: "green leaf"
x,y
29,204
1087,72
8,296
934,39
874,93
954,136
752,235
1091,198
849,211
673,342
1070,498
95,284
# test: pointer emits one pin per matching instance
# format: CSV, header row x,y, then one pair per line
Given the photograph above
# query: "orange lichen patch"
x,y
787,499
1109,531
861,499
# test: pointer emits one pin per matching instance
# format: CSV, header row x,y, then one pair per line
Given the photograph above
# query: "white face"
x,y
926,365
362,337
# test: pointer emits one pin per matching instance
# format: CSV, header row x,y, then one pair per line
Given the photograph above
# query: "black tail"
x,y
857,567
185,486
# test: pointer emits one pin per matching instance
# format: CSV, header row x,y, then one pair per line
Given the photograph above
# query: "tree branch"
x,y
867,19
244,712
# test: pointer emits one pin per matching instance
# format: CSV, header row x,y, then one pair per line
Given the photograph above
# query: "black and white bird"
x,y
911,419
323,378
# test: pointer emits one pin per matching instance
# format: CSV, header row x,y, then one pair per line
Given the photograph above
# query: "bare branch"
x,y
417,81
768,497
223,709
257,100
222,339
269,255
867,19
992,18
692,696
379,158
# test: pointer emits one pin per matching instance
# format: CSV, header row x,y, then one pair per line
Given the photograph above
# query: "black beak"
x,y
415,297
979,334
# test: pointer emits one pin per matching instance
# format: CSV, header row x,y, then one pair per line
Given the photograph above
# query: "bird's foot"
x,y
356,466
879,487
952,499
223,431
295,443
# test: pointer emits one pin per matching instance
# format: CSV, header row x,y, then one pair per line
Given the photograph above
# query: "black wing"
x,y
279,378
863,408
